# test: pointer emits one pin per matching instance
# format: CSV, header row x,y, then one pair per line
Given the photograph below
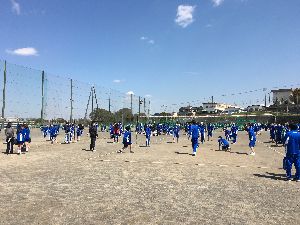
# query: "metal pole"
x,y
42,110
4,91
149,109
145,105
265,100
139,106
97,107
297,96
109,104
71,101
131,95
139,114
92,100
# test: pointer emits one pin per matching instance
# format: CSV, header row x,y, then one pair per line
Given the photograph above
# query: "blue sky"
x,y
175,51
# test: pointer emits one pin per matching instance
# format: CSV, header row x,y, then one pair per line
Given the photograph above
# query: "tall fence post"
x,y
149,109
144,106
71,101
139,106
4,91
42,109
109,104
131,95
92,98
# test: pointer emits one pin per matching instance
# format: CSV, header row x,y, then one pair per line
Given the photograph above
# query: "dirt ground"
x,y
162,184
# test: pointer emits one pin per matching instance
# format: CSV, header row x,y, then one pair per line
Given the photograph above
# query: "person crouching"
x,y
224,144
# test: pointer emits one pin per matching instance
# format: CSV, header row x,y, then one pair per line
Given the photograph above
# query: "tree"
x,y
102,116
165,114
295,97
126,113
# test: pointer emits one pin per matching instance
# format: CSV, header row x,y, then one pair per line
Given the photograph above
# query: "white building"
x,y
255,108
213,107
281,95
232,109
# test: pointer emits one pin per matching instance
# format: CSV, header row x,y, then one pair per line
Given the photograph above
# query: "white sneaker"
x,y
19,152
252,153
194,154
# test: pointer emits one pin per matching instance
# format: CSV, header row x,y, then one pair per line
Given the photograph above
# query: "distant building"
x,y
213,107
232,109
281,96
255,108
190,111
12,119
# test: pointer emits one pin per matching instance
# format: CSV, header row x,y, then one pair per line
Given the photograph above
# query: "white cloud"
x,y
185,15
29,51
152,42
149,41
130,93
217,2
117,81
15,7
148,96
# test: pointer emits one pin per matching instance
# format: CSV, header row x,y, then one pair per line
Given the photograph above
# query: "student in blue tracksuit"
x,y
148,135
210,129
234,130
72,132
272,132
176,133
194,137
189,131
27,138
67,129
202,132
278,134
252,139
292,145
53,133
126,140
111,130
79,131
224,144
44,130
20,138
227,134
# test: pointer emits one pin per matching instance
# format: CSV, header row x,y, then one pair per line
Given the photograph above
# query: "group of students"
x,y
21,138
288,135
71,130
196,131
278,132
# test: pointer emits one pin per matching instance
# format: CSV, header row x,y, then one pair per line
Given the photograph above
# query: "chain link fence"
x,y
28,93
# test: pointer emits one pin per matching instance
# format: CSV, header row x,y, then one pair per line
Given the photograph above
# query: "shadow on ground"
x,y
272,176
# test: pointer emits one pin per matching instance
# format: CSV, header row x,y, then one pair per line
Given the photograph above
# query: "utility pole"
x,y
109,104
92,98
4,91
265,101
149,109
71,101
97,106
42,110
140,105
131,95
297,98
144,105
